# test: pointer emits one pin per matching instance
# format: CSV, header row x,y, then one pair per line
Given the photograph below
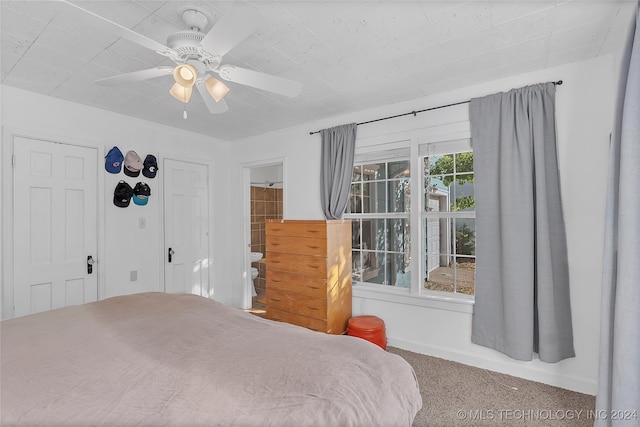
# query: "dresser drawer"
x,y
299,245
296,319
316,230
315,308
292,263
310,286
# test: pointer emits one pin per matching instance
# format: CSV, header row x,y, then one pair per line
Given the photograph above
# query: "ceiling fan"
x,y
198,56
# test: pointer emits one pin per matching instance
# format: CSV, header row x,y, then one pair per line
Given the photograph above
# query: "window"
x,y
379,208
449,223
444,218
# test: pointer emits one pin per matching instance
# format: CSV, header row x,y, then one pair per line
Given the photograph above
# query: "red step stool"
x,y
370,328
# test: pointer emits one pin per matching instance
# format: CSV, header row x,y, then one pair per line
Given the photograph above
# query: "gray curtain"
x,y
338,148
619,372
522,278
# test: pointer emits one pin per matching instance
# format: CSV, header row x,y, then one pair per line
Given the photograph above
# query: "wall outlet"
x,y
133,276
142,223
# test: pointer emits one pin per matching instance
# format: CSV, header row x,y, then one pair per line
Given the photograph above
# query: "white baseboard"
x,y
517,369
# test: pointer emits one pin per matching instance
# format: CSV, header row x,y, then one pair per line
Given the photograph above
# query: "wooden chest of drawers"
x,y
309,273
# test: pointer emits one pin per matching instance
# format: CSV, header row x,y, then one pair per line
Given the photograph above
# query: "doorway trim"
x,y
6,210
246,218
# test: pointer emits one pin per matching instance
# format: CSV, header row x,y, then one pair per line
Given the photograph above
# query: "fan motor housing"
x,y
186,43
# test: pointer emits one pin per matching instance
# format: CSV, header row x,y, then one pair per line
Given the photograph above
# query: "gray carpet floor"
x,y
454,394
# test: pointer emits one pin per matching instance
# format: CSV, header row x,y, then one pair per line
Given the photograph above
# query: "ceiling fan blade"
x,y
260,80
233,27
213,106
119,30
136,76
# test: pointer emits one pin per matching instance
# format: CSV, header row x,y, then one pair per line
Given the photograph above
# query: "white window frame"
x,y
415,139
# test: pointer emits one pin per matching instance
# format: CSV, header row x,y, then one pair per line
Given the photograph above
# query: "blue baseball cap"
x,y
113,160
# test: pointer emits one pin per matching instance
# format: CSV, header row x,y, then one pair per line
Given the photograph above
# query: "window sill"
x,y
403,296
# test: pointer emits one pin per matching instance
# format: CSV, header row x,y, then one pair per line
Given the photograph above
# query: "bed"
x,y
157,359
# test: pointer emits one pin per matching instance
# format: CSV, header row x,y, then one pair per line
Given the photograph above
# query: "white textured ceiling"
x,y
349,56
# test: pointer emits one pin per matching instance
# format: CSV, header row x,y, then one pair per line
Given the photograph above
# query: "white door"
x,y
186,223
55,225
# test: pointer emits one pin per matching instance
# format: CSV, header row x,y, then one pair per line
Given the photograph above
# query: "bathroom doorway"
x,y
265,201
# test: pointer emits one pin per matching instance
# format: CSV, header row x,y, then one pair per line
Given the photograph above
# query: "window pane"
x,y
464,162
399,169
464,194
440,274
373,235
437,242
355,234
399,235
357,174
374,265
465,276
355,199
437,196
374,171
465,236
400,274
441,165
356,266
374,197
399,196
403,279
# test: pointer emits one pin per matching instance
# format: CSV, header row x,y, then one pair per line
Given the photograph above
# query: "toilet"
x,y
255,257
254,274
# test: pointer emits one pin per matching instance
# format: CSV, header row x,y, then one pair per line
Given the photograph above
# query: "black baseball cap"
x,y
150,167
122,194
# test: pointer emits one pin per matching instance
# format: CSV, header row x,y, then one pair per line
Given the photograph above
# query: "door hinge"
x,y
13,160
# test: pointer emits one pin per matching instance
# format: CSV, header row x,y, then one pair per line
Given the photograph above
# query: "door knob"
x,y
90,263
170,252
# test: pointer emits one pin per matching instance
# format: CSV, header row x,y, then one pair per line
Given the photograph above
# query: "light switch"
x,y
133,276
142,223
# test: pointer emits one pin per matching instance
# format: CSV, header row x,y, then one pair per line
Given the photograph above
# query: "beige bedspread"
x,y
158,359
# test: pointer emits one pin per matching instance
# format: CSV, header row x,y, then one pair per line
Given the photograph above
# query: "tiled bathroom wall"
x,y
266,203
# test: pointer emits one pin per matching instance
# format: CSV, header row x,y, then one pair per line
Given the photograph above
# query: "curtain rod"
x,y
558,83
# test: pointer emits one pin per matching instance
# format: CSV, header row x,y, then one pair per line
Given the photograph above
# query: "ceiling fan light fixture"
x,y
216,88
181,93
185,75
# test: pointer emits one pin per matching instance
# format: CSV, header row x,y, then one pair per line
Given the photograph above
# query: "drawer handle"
x,y
313,246
276,229
275,244
312,307
275,299
313,287
312,266
312,231
275,261
276,281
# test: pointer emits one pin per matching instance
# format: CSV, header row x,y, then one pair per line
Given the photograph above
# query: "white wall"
x,y
124,246
584,116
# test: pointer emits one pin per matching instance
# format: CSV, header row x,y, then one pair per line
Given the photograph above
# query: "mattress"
x,y
157,359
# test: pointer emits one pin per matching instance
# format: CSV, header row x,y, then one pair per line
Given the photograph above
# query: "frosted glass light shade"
x,y
216,88
185,75
181,93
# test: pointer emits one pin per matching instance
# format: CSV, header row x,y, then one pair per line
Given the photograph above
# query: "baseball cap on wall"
x,y
132,164
141,193
122,194
150,166
113,160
